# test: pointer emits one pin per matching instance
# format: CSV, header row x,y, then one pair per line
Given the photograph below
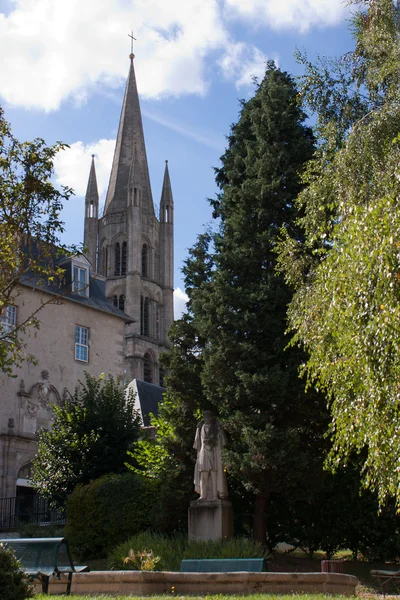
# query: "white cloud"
x,y
241,62
285,14
72,166
180,299
53,50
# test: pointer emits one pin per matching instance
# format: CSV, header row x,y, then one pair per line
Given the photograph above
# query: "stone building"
x,y
116,306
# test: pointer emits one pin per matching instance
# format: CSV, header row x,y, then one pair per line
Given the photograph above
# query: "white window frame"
x,y
80,279
81,343
8,319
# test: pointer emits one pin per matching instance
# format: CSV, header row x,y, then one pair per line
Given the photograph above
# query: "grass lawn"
x,y
216,597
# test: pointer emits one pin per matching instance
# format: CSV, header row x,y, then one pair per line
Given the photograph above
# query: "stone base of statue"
x,y
210,520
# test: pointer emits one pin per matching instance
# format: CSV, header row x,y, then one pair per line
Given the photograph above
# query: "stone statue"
x,y
209,475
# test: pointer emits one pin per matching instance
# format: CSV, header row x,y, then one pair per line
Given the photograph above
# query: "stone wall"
x,y
26,399
140,583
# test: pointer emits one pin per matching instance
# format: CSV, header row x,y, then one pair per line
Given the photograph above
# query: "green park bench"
x,y
223,565
385,578
44,558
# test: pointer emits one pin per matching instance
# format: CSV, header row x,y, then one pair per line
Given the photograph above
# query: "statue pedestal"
x,y
210,520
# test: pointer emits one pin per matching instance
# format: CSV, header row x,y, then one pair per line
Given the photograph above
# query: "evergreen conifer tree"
x,y
248,376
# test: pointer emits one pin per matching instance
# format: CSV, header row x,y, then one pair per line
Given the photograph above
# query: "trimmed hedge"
x,y
172,550
108,511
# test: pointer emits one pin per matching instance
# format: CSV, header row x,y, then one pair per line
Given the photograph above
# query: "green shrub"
x,y
172,550
108,511
169,549
14,585
30,530
232,548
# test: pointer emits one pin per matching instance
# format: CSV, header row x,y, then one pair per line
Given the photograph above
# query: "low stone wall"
x,y
141,583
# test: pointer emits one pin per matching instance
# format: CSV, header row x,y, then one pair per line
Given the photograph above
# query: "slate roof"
x,y
149,397
97,298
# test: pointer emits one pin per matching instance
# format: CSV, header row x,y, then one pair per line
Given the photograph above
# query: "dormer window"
x,y
80,280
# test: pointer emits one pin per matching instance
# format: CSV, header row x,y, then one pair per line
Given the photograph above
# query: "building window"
x,y
119,302
144,316
81,343
123,259
80,280
147,368
120,258
8,320
117,264
145,266
104,261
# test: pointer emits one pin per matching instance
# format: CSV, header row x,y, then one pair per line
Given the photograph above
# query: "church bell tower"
x,y
131,246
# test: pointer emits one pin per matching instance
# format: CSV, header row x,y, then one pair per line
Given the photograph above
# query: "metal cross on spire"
x,y
132,38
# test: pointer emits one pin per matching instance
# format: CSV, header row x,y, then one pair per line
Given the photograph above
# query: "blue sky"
x,y
64,66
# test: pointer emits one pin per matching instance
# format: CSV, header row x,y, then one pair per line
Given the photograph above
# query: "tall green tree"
x,y
30,225
228,351
90,436
252,382
345,263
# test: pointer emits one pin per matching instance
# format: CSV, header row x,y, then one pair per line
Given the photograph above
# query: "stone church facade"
x,y
116,309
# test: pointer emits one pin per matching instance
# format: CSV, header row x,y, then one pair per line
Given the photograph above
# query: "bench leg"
x,y
45,583
69,583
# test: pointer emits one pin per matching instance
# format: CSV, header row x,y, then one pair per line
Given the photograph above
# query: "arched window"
x,y
123,259
148,368
119,302
145,261
104,260
25,472
144,316
117,264
120,258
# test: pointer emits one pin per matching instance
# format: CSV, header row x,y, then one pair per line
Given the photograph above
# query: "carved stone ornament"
x,y
41,395
44,390
32,408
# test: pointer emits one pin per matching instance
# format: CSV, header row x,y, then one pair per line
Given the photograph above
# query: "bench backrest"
x,y
223,565
37,554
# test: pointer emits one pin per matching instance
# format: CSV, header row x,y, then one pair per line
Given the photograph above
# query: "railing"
x,y
28,509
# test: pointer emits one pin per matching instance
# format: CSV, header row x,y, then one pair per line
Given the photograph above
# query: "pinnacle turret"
x,y
91,216
92,194
167,202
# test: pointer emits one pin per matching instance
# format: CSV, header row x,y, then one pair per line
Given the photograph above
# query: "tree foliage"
x,y
30,207
90,437
345,263
228,350
274,427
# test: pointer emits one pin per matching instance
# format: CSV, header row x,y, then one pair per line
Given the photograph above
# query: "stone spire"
x,y
92,194
167,202
130,135
91,216
167,250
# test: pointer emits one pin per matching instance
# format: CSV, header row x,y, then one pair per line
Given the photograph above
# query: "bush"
x,y
14,585
232,548
172,550
108,511
169,549
30,530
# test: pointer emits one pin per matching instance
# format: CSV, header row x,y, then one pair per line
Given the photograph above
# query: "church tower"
x,y
134,247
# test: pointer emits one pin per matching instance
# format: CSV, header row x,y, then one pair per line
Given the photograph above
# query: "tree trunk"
x,y
260,518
